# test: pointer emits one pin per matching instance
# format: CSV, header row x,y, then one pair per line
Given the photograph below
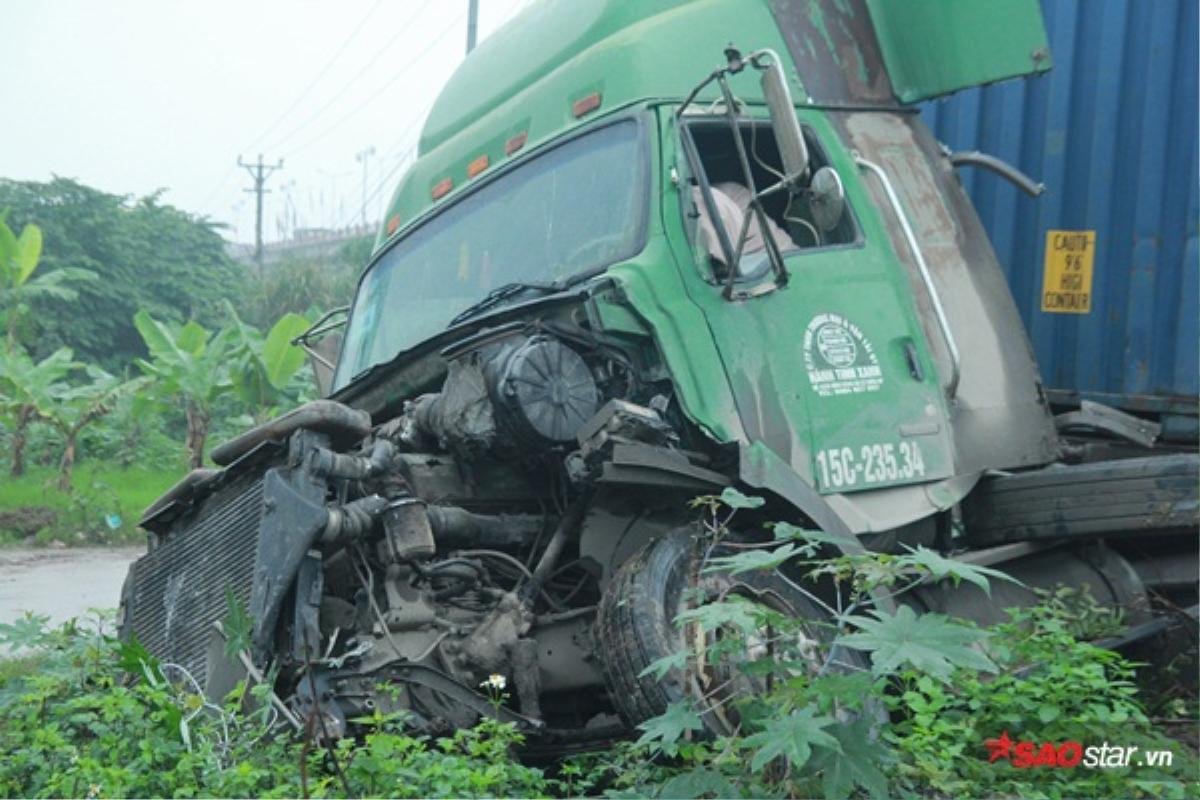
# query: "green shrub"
x,y
1050,688
916,722
90,717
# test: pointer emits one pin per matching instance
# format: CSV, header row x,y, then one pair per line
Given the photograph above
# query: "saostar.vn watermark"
x,y
1024,754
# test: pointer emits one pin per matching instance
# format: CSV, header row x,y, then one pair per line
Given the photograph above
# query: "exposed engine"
x,y
467,537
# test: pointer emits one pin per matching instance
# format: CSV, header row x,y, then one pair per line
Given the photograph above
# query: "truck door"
x,y
831,370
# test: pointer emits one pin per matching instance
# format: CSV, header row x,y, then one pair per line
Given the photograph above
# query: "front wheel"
x,y
635,626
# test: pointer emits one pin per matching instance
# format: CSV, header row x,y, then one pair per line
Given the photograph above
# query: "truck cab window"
x,y
790,221
578,207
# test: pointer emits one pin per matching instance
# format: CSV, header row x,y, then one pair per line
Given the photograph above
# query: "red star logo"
x,y
999,748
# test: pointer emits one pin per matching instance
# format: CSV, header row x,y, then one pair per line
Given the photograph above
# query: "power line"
x,y
403,141
299,98
401,72
386,180
403,29
510,10
321,74
389,176
220,185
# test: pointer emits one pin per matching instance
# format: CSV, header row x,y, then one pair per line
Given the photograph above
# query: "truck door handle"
x,y
914,362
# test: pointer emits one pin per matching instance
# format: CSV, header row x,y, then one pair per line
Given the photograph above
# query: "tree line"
x,y
128,307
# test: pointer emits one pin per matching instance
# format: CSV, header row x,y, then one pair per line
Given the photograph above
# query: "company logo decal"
x,y
839,358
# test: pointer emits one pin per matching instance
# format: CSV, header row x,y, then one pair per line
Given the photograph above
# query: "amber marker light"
x,y
515,143
586,104
441,188
477,166
393,224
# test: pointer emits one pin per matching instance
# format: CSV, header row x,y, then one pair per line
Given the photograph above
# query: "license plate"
x,y
841,469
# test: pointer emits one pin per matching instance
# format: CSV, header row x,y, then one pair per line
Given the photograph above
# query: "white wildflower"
x,y
494,682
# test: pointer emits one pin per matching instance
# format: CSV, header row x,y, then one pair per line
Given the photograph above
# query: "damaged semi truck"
x,y
649,251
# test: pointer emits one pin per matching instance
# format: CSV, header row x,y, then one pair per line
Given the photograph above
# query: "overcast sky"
x,y
134,95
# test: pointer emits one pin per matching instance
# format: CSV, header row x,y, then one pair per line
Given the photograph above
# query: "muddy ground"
x,y
62,583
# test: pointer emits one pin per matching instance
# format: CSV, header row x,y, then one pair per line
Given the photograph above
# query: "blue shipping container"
x,y
1112,132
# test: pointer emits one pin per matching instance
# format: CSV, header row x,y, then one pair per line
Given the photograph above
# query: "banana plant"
x,y
188,365
262,367
25,386
19,259
70,408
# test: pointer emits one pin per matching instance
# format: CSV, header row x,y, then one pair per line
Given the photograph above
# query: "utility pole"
x,y
361,157
259,172
472,20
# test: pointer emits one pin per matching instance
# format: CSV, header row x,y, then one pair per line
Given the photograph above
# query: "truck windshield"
x,y
575,208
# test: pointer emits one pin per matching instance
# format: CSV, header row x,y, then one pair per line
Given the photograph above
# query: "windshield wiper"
x,y
502,293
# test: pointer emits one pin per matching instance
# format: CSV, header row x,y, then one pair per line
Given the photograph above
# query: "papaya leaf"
x,y
858,763
930,643
812,539
752,560
664,731
28,630
698,783
735,612
134,658
792,737
939,567
659,667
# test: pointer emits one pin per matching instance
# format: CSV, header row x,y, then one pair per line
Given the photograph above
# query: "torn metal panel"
x,y
883,52
999,419
935,47
836,52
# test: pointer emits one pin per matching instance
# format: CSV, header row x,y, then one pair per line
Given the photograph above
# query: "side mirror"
x,y
323,342
788,136
827,198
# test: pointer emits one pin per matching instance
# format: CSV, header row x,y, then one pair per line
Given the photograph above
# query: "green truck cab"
x,y
581,167
647,251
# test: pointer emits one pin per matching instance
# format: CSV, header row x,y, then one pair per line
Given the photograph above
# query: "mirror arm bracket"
x,y
777,265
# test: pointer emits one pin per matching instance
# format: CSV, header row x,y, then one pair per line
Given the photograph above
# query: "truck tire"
x,y
635,622
1136,496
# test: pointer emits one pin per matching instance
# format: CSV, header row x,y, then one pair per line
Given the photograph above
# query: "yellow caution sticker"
x,y
1067,279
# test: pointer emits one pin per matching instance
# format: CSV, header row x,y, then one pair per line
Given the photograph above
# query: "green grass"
x,y
98,491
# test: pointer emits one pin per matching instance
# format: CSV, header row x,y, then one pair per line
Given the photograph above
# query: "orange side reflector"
x,y
442,188
515,143
477,166
393,224
586,104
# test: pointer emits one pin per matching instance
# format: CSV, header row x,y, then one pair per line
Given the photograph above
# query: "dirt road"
x,y
62,583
